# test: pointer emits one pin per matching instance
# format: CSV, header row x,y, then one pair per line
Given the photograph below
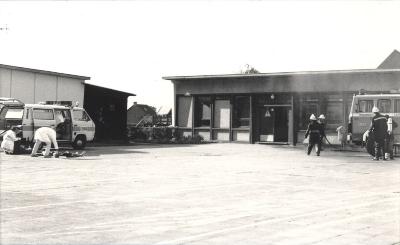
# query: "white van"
x,y
72,124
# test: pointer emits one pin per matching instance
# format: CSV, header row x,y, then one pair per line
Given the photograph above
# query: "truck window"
x,y
14,113
80,115
397,106
365,105
43,114
384,105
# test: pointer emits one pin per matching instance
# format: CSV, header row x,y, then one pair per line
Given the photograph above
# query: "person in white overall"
x,y
9,138
48,136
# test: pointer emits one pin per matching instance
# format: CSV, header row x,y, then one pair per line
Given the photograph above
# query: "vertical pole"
x,y
174,112
290,123
251,120
193,114
231,117
212,116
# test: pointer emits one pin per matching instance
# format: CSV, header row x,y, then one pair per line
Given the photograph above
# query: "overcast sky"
x,y
129,46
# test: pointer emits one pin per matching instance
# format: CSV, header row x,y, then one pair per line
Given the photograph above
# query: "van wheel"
x,y
79,142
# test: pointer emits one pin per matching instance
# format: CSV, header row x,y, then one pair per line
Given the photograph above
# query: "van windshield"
x,y
14,113
365,105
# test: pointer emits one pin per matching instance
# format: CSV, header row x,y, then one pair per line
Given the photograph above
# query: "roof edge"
x,y
119,91
279,74
44,72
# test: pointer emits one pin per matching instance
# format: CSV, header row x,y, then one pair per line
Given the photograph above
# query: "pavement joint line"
x,y
223,231
75,184
117,197
256,223
167,194
241,227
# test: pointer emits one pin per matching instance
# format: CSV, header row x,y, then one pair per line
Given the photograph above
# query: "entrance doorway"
x,y
273,123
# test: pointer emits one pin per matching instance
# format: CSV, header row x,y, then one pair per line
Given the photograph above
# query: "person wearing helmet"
x,y
321,121
379,130
314,131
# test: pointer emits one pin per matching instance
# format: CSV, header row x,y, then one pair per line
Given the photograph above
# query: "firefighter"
x,y
9,138
48,136
379,129
314,131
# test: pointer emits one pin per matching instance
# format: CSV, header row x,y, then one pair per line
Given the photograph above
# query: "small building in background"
x,y
108,109
140,114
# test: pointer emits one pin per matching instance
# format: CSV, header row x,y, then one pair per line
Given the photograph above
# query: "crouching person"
x,y
47,136
7,145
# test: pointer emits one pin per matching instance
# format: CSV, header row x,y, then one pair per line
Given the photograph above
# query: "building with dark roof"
x,y
140,114
273,107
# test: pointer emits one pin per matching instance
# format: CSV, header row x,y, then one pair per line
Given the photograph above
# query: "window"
x,y
241,112
397,106
334,114
14,113
203,111
365,106
384,105
80,115
43,114
222,114
185,112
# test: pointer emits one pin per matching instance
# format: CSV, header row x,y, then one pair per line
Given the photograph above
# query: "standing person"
x,y
48,136
390,137
9,138
379,129
314,131
321,121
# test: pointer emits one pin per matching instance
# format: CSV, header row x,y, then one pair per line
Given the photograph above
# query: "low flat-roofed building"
x,y
273,107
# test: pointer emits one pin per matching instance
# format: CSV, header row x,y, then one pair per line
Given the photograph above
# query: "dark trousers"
x,y
312,143
380,148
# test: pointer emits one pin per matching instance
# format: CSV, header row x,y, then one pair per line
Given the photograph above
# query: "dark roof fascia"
x,y
113,90
44,72
174,78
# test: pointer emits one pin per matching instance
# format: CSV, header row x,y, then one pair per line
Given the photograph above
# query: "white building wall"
x,y
31,87
23,86
5,82
44,84
70,89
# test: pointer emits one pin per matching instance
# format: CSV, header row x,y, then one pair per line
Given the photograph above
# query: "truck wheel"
x,y
370,145
79,142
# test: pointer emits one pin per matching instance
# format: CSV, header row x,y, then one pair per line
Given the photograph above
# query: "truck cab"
x,y
361,113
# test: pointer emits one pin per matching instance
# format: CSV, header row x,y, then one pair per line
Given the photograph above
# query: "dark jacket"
x,y
322,129
314,130
379,126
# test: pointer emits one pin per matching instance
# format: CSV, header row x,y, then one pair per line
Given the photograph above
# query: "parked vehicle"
x,y
361,115
11,111
72,124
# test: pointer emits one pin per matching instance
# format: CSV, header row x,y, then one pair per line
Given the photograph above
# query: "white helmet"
x,y
321,116
312,117
375,109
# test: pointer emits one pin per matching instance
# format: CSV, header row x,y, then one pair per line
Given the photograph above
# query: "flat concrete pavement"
x,y
200,194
